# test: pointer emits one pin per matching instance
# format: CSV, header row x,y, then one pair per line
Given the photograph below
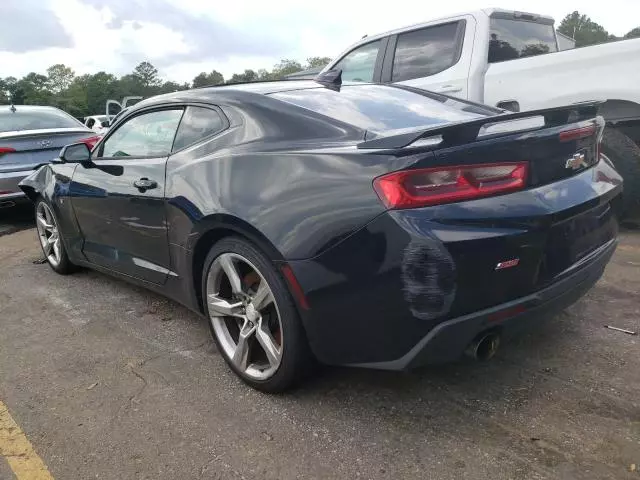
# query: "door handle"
x,y
449,89
145,184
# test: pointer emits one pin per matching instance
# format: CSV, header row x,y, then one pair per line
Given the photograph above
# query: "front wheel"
x,y
51,240
252,317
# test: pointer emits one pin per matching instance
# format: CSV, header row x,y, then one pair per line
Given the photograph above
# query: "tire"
x,y
290,357
625,155
47,227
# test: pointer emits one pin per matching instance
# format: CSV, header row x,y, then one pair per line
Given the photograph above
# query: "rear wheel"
x,y
252,317
51,240
625,155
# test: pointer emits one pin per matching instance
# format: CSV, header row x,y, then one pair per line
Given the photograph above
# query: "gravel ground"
x,y
110,381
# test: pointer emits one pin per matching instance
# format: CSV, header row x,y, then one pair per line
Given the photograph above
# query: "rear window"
x,y
380,108
35,120
511,39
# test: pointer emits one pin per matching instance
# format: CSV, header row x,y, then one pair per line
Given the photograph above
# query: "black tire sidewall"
x,y
295,355
65,266
625,156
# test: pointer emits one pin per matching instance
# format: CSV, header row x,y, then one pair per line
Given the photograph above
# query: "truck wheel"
x,y
625,155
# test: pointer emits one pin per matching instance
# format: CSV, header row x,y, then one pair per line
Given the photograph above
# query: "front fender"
x,y
51,182
34,184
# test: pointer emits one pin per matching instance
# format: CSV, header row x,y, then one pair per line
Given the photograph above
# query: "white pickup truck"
x,y
511,60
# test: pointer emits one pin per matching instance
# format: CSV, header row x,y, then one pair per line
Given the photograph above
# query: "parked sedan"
x,y
31,136
354,224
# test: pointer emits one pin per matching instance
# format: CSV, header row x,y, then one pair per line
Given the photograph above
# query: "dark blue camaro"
x,y
355,224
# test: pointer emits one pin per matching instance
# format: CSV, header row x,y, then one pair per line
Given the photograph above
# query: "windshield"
x,y
27,119
511,39
380,108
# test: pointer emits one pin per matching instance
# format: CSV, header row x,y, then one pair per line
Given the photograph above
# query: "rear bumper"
x,y
448,340
9,189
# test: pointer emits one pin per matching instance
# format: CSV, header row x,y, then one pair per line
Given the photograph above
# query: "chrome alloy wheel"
x,y
48,234
244,316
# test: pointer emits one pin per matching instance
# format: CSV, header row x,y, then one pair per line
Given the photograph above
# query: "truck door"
x,y
433,57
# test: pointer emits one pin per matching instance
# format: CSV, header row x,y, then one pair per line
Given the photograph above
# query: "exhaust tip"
x,y
484,347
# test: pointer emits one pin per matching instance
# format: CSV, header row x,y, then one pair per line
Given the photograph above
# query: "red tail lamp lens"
x,y
4,150
91,141
435,186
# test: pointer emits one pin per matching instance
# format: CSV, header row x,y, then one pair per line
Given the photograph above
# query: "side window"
x,y
197,123
147,135
359,64
425,52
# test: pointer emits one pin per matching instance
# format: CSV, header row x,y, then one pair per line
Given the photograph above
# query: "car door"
x,y
118,197
430,58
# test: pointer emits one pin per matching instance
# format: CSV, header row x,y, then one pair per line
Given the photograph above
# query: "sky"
x,y
185,37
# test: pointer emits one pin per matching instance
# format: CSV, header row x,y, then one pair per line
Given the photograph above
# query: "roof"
x,y
230,91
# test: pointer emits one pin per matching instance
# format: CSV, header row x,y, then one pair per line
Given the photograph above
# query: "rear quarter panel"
x,y
302,200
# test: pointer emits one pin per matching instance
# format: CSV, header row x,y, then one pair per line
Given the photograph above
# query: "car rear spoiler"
x,y
461,133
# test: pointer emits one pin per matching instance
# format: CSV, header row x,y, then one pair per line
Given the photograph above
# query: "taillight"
x,y
438,185
4,150
91,141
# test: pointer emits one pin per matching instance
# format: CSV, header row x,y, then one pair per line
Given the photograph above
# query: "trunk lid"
x,y
36,147
508,245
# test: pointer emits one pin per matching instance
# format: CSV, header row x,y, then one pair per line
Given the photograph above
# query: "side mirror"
x,y
75,153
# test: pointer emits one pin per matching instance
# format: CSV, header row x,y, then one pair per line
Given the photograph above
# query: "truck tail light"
x,y
438,185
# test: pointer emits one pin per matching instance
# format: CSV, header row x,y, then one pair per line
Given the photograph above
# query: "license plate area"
x,y
575,238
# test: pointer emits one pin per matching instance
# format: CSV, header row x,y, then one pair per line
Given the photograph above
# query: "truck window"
x,y
427,51
358,65
511,39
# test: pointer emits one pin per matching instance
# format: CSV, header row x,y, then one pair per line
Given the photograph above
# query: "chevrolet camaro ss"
x,y
346,223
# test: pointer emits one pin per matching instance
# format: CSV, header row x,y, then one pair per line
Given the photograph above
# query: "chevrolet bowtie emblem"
x,y
575,162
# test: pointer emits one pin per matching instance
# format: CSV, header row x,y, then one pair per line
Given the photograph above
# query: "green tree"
x,y
168,87
15,90
317,62
284,68
130,85
583,30
99,88
635,33
148,75
60,77
35,88
264,75
205,79
248,76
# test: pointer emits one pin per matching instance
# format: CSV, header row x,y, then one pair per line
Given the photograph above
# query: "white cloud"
x,y
185,37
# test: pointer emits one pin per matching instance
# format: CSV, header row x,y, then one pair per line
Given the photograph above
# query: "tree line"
x,y
587,32
87,94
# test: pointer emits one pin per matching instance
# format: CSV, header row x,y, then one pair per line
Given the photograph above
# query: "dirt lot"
x,y
109,381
